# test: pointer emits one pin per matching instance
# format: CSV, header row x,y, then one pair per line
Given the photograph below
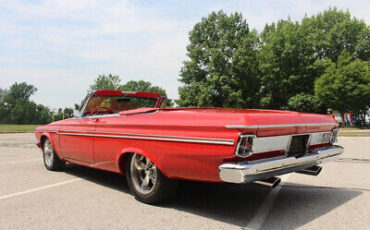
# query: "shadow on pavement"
x,y
297,205
236,204
104,178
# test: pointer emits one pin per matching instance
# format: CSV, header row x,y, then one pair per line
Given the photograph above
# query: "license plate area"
x,y
298,145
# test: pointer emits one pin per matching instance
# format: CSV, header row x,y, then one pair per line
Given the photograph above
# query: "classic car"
x,y
132,133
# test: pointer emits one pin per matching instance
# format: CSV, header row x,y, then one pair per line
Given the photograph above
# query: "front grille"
x,y
298,145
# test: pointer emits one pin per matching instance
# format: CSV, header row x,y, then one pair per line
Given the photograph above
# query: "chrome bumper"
x,y
244,172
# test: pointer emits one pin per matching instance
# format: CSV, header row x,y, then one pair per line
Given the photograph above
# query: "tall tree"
x,y
21,91
145,86
333,31
345,86
24,112
222,68
106,82
284,59
289,52
3,110
43,115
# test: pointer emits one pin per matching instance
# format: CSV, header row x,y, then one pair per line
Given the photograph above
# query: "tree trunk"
x,y
343,120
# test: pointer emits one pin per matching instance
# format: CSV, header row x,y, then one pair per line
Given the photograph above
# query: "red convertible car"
x,y
133,134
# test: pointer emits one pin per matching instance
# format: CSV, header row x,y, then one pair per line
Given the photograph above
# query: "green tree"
x,y
17,91
43,115
15,106
68,112
3,110
345,86
145,86
285,61
63,113
222,69
58,115
24,112
333,31
306,103
291,52
106,82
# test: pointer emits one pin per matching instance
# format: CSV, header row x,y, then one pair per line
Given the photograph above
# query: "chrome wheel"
x,y
48,153
52,161
143,173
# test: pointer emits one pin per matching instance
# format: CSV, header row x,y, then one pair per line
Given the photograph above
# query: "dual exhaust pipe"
x,y
313,171
272,182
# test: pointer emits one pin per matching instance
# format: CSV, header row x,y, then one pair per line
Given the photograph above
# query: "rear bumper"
x,y
244,172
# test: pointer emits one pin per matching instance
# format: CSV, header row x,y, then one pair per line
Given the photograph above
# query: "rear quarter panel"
x,y
176,159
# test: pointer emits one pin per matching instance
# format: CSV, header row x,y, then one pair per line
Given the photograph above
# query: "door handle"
x,y
95,119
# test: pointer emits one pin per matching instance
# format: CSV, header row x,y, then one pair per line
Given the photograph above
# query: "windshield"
x,y
115,104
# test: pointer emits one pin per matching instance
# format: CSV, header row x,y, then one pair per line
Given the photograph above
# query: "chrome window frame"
x,y
87,99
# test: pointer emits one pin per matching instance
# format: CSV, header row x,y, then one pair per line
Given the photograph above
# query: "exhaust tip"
x,y
313,171
271,182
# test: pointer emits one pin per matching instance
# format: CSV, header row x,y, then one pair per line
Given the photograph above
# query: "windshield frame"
x,y
159,101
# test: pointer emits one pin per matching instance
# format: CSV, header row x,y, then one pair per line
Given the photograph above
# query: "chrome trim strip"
x,y
82,110
268,144
47,131
319,138
100,116
276,126
149,135
247,171
172,139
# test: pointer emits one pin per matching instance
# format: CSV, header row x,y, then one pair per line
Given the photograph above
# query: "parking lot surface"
x,y
81,198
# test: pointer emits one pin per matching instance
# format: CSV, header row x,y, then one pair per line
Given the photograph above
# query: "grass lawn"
x,y
4,128
354,134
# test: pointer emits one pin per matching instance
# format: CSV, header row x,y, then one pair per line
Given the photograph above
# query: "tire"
x,y
147,183
51,160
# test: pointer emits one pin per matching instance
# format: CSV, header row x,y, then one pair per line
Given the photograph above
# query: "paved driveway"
x,y
82,198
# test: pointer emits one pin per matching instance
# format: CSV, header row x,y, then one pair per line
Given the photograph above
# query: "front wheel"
x,y
146,181
51,161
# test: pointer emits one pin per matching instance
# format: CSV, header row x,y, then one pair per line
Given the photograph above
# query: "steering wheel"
x,y
95,110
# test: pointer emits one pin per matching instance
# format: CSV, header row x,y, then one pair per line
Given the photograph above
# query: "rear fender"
x,y
131,150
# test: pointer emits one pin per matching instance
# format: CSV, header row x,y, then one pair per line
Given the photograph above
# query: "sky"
x,y
62,46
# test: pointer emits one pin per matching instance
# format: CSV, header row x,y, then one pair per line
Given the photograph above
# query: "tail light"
x,y
334,136
245,145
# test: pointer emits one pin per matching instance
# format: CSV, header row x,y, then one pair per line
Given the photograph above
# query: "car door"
x,y
108,142
77,139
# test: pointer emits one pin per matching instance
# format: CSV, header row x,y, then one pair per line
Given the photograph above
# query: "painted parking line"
x,y
39,188
17,162
264,209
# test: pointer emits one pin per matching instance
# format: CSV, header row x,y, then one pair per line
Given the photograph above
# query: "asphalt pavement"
x,y
81,198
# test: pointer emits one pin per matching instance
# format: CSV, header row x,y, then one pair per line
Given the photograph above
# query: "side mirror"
x,y
76,113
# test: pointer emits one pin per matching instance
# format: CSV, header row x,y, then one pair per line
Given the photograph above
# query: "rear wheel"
x,y
51,161
146,181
